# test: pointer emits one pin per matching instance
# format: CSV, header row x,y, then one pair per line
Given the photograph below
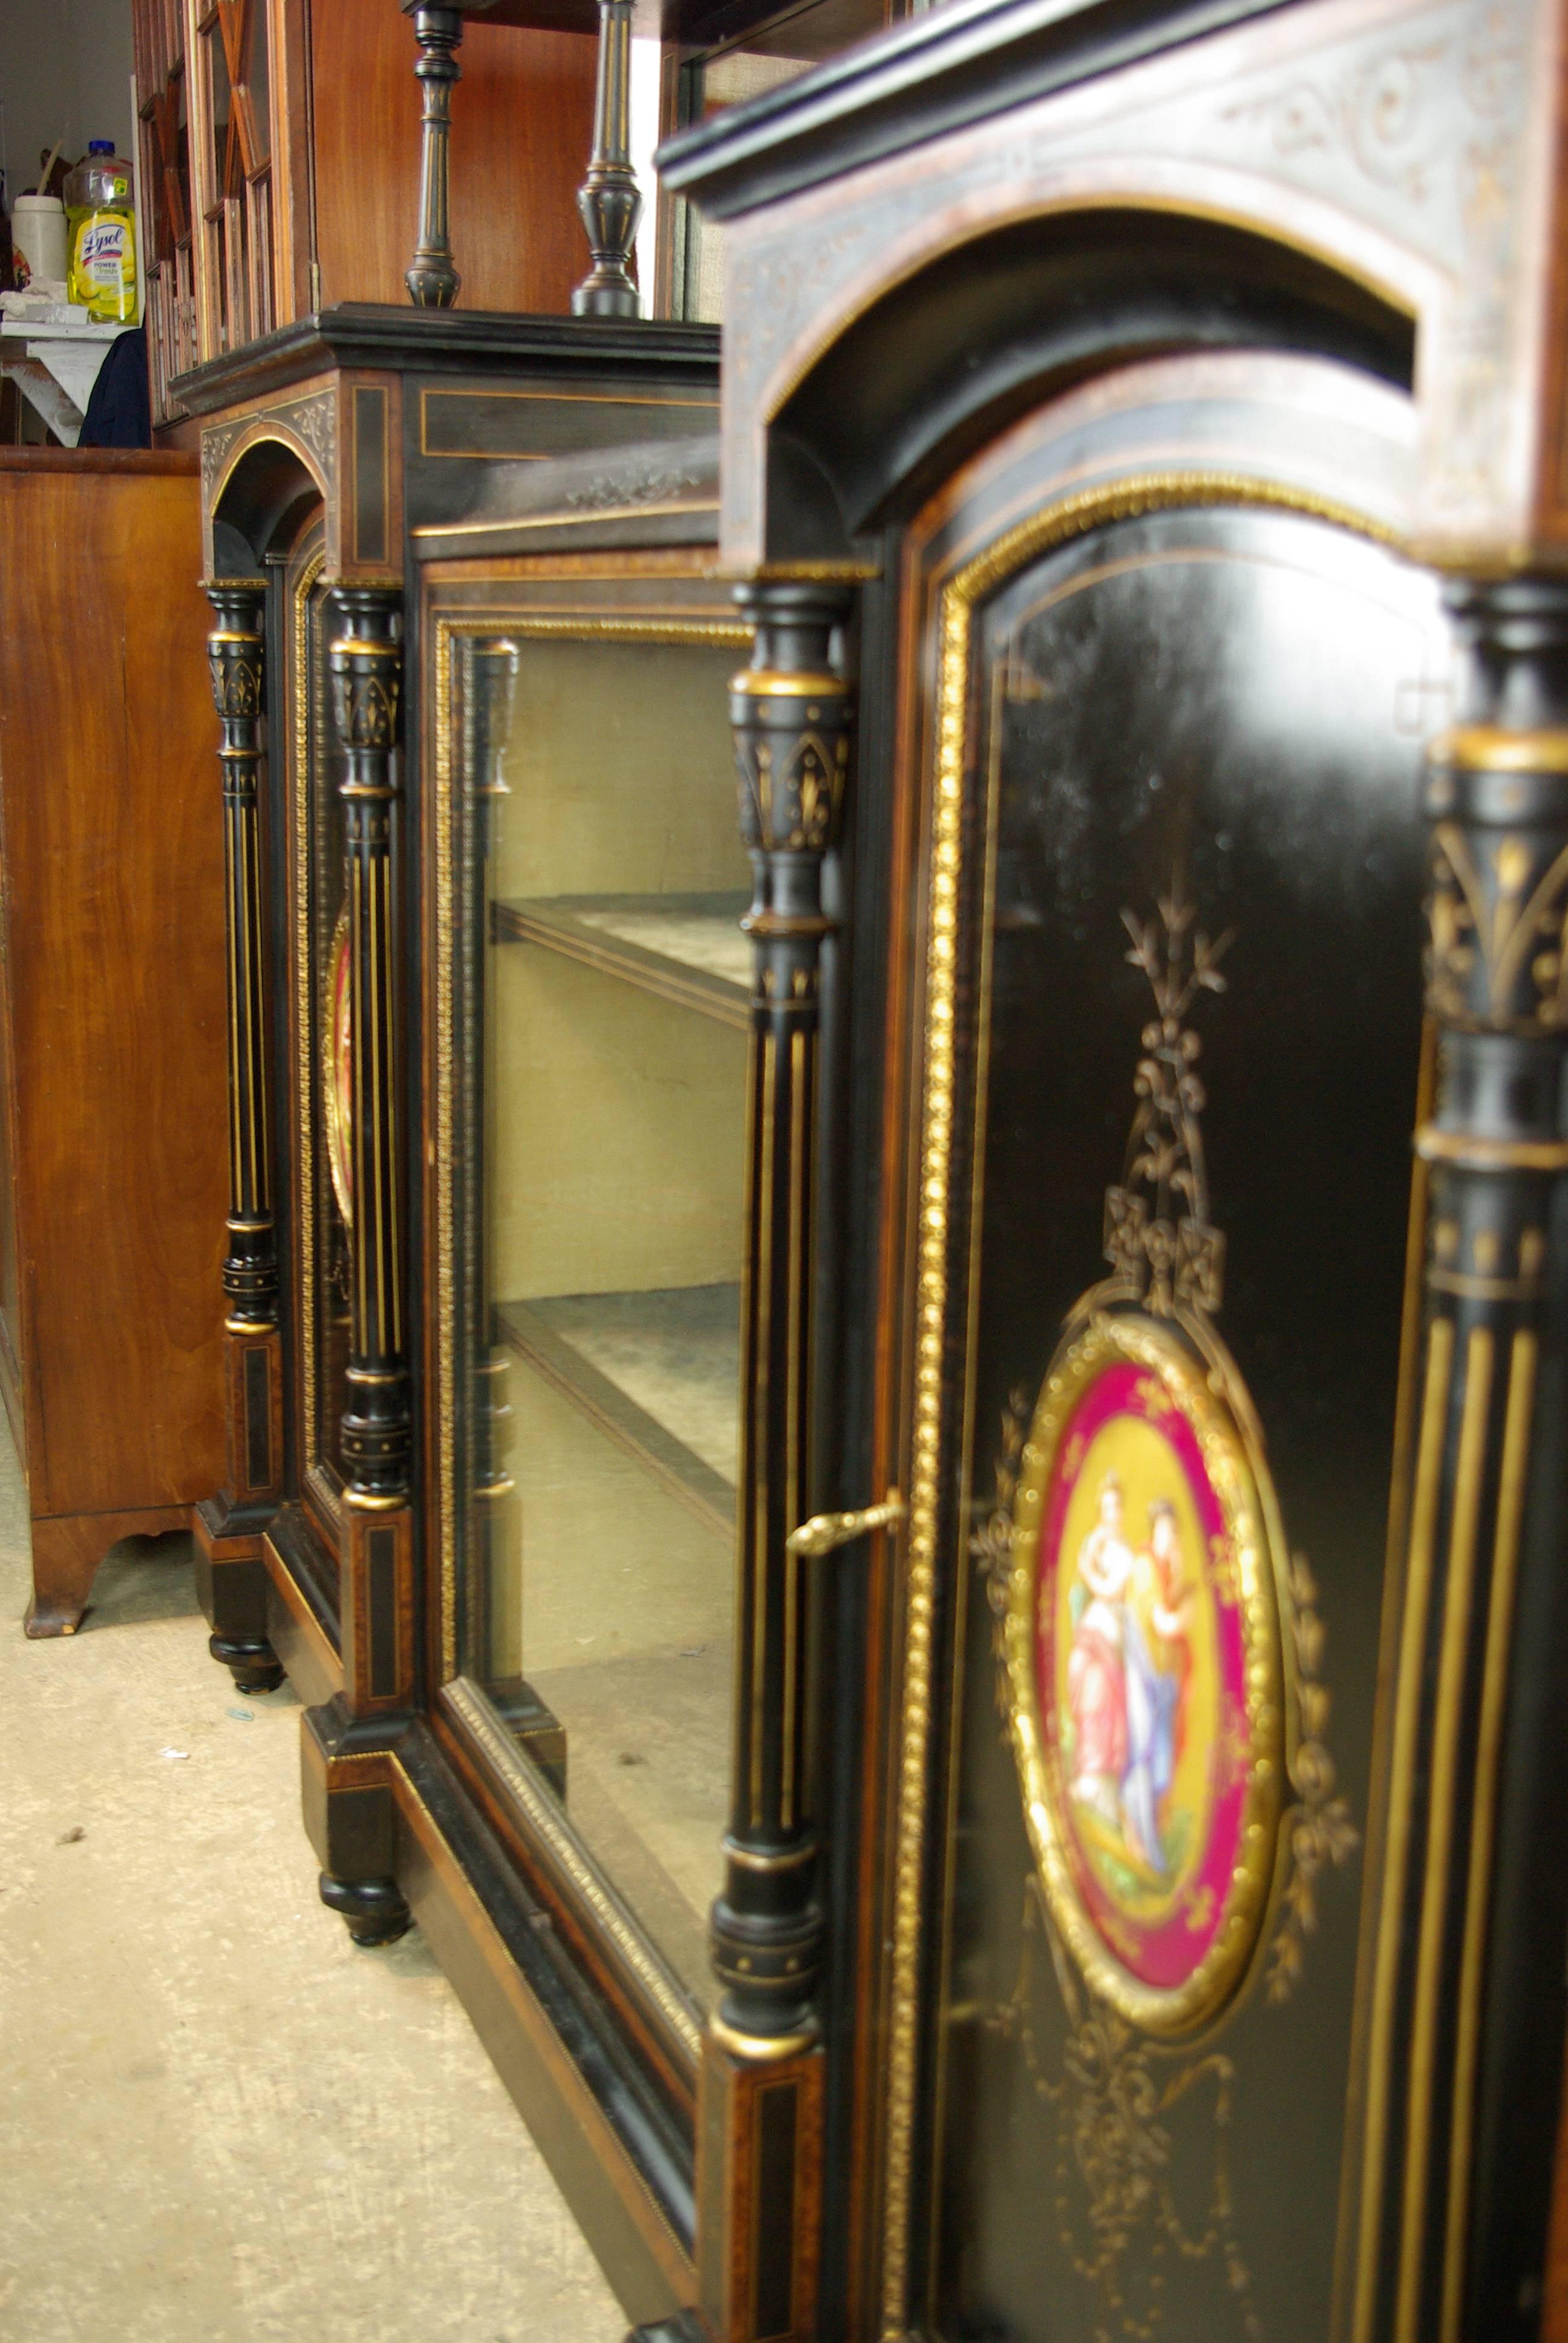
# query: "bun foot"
x,y
374,1909
250,1660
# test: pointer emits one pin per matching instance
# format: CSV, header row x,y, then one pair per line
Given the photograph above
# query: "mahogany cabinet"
x,y
112,1046
280,167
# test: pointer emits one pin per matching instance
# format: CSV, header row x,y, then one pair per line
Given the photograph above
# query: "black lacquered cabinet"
x,y
952,1612
1132,431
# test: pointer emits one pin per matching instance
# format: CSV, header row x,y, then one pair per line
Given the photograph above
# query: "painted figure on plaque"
x,y
1127,1675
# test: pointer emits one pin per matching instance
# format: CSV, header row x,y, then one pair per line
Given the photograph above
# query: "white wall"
x,y
65,73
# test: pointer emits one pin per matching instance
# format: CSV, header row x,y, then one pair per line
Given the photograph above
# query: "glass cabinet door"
x,y
601,990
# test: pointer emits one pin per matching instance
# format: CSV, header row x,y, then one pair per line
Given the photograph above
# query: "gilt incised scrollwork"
x,y
1500,910
1158,1234
1161,1686
1118,2107
365,700
791,759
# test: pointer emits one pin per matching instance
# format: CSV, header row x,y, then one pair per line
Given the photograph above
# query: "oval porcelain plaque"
x,y
1145,1671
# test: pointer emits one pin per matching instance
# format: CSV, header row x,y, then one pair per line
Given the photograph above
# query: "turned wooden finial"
x,y
432,280
608,201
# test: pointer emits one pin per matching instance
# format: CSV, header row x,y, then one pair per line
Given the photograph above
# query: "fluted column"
x,y
432,279
231,1578
608,201
367,669
790,715
1466,1993
236,654
763,2058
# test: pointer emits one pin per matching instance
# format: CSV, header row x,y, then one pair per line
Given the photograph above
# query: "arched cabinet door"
x,y
1190,1851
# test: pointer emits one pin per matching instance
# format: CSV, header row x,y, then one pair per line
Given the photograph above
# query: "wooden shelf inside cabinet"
x,y
658,1372
688,949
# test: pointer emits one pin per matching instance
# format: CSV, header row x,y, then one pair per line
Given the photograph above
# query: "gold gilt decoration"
x,y
1055,524
1157,1231
365,705
1116,2103
791,786
1320,1826
1494,904
1142,1398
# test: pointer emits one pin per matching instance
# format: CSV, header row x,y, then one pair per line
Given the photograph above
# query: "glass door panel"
x,y
606,981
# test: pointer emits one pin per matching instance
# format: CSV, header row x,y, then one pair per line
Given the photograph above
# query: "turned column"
x,y
762,2075
367,669
347,1797
1464,2045
229,1526
236,654
432,280
608,202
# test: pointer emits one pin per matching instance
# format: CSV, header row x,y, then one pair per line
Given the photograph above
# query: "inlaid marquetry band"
x,y
1488,1424
237,652
366,666
789,712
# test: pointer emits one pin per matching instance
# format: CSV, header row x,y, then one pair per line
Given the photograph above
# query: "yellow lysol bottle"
x,y
102,225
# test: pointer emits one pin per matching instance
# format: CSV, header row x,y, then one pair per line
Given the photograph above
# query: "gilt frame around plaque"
x,y
1145,1596
1131,1404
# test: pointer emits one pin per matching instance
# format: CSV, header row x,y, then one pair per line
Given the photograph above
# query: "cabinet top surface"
x,y
956,64
388,337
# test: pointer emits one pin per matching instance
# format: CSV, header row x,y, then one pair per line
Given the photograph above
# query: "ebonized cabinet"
x,y
1125,1154
331,446
1167,409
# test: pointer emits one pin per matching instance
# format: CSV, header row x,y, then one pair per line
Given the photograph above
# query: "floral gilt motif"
x,y
1157,1231
791,788
366,710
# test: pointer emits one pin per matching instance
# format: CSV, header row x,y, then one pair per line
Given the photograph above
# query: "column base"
x,y
374,1909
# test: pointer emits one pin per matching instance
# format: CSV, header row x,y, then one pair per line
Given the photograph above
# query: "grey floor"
x,y
219,2123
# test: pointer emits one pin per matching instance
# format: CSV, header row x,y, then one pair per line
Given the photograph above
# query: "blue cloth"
x,y
120,407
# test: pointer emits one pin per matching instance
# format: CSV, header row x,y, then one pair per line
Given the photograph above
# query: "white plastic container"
x,y
38,234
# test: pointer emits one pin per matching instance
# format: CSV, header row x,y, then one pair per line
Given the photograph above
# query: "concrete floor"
x,y
219,2123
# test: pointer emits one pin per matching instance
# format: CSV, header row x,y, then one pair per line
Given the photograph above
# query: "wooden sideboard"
x,y
111,1010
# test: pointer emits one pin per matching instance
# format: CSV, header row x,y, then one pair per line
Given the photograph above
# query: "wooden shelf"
x,y
688,949
658,1372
